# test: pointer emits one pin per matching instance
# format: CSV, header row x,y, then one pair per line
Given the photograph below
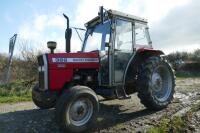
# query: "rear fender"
x,y
136,59
149,52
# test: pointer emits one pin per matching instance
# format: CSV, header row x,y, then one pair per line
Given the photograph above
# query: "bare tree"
x,y
25,65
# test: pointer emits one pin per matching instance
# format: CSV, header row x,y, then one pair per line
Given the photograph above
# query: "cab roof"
x,y
117,14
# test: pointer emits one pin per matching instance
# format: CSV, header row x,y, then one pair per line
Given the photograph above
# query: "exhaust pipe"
x,y
68,35
100,13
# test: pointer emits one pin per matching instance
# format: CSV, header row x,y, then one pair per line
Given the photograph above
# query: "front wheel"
x,y
43,100
77,109
156,82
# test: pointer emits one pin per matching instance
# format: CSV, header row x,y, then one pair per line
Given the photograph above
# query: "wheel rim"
x,y
161,81
80,111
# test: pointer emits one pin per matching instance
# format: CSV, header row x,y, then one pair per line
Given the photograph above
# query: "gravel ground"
x,y
115,115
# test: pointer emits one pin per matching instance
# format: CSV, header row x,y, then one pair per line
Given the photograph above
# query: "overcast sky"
x,y
174,24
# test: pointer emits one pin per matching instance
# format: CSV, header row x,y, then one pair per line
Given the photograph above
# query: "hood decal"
x,y
79,60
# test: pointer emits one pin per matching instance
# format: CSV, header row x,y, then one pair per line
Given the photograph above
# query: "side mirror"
x,y
101,14
51,45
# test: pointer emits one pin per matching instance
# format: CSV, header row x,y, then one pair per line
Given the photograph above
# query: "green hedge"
x,y
16,91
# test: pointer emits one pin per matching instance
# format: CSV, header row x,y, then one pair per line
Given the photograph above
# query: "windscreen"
x,y
96,37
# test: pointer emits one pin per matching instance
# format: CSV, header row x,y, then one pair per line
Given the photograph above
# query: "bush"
x,y
16,91
3,63
185,63
24,66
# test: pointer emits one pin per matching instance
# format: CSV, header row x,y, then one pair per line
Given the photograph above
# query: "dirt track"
x,y
115,116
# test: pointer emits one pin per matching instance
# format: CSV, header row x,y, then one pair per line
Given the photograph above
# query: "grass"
x,y
187,75
16,91
195,107
176,124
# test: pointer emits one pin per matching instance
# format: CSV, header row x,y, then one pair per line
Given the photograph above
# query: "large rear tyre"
x,y
43,100
77,109
156,82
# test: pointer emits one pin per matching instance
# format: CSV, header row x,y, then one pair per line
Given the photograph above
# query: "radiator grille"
x,y
40,60
41,72
41,80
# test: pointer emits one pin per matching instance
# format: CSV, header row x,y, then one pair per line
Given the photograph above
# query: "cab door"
x,y
123,48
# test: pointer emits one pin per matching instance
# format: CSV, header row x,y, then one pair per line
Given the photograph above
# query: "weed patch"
x,y
16,91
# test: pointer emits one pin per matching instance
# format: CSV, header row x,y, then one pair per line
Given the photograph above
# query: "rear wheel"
x,y
156,83
77,109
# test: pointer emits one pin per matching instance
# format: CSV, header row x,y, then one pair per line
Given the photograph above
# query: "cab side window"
x,y
140,35
123,41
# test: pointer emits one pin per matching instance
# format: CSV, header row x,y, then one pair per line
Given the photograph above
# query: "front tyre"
x,y
43,100
156,83
77,109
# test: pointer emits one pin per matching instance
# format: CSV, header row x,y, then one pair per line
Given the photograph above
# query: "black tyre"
x,y
77,109
43,100
156,82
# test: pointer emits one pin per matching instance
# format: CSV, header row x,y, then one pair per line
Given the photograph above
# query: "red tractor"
x,y
116,60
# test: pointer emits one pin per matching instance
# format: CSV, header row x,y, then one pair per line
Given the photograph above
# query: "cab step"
x,y
121,94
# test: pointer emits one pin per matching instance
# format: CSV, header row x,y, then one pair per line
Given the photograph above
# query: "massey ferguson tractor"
x,y
116,60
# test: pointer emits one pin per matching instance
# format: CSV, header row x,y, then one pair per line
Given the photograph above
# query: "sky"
x,y
174,24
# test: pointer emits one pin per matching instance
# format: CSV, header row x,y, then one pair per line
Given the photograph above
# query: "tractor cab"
x,y
116,36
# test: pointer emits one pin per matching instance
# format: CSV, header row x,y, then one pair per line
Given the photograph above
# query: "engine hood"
x,y
73,60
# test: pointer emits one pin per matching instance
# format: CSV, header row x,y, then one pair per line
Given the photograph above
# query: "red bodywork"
x,y
61,71
62,65
149,50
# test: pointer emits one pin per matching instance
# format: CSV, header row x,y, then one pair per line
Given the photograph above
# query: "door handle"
x,y
117,50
